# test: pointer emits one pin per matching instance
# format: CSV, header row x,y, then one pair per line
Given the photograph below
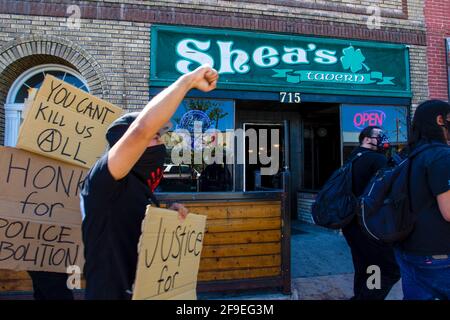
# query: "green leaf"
x,y
353,59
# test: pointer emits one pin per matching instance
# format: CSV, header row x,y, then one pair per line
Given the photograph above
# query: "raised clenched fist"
x,y
204,78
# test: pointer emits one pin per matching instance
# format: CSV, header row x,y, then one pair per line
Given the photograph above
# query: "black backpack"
x,y
384,210
335,204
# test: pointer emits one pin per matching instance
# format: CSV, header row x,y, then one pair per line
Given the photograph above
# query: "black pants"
x,y
367,252
50,286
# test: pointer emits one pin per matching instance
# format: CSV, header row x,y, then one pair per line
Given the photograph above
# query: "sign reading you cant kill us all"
x,y
67,124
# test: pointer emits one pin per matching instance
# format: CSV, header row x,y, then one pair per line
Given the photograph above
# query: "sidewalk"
x,y
321,269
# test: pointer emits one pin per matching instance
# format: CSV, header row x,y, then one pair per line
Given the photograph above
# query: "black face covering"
x,y
382,142
446,125
150,166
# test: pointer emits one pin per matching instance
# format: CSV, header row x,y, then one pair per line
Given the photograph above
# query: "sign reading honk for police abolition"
x,y
67,124
40,219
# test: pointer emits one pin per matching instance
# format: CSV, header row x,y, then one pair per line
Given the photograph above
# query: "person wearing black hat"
x,y
120,185
424,256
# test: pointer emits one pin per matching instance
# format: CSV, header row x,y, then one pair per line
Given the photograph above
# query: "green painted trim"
x,y
408,71
153,41
337,91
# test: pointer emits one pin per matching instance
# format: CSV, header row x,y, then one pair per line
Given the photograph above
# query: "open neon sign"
x,y
369,118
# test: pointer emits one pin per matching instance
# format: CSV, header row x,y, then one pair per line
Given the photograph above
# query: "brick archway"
x,y
21,54
56,47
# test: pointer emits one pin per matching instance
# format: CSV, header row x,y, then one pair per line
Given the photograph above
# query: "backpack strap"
x,y
396,158
412,155
424,147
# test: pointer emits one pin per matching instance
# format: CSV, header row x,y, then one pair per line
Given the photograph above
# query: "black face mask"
x,y
150,166
446,125
382,143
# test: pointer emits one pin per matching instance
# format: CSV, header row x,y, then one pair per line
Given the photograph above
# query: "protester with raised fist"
x,y
120,186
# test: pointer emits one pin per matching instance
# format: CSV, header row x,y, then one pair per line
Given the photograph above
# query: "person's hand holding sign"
x,y
182,210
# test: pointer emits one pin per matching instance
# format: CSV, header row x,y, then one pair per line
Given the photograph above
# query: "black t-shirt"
x,y
113,213
365,167
430,176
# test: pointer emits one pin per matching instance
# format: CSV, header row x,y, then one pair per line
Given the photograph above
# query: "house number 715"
x,y
290,97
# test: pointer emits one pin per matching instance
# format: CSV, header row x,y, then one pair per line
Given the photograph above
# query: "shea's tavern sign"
x,y
273,62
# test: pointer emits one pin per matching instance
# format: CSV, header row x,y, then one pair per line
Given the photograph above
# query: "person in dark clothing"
x,y
365,251
216,177
50,286
120,185
424,256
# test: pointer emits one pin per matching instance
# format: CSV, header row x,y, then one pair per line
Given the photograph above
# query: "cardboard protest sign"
x,y
66,123
40,219
169,256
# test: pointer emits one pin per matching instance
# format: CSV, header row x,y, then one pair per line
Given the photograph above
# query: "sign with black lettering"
x,y
169,256
40,219
67,124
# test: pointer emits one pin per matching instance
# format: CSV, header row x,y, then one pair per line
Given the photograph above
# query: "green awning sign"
x,y
274,62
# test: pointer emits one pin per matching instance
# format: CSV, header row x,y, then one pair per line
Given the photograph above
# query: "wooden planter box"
x,y
246,245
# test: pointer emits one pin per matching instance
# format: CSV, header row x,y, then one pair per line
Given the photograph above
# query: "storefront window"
x,y
197,147
271,145
321,145
392,119
37,79
33,79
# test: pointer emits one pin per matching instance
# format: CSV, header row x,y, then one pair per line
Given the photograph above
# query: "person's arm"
x,y
127,151
443,200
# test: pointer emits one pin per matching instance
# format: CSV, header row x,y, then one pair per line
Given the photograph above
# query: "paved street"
x,y
320,264
321,268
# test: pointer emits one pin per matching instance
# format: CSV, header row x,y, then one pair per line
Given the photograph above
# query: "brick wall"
x,y
332,18
112,45
121,50
396,12
419,75
117,55
437,14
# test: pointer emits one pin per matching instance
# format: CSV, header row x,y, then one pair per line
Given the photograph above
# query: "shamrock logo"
x,y
353,59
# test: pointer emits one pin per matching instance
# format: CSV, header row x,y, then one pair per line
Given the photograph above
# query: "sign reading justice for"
x,y
67,124
169,256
